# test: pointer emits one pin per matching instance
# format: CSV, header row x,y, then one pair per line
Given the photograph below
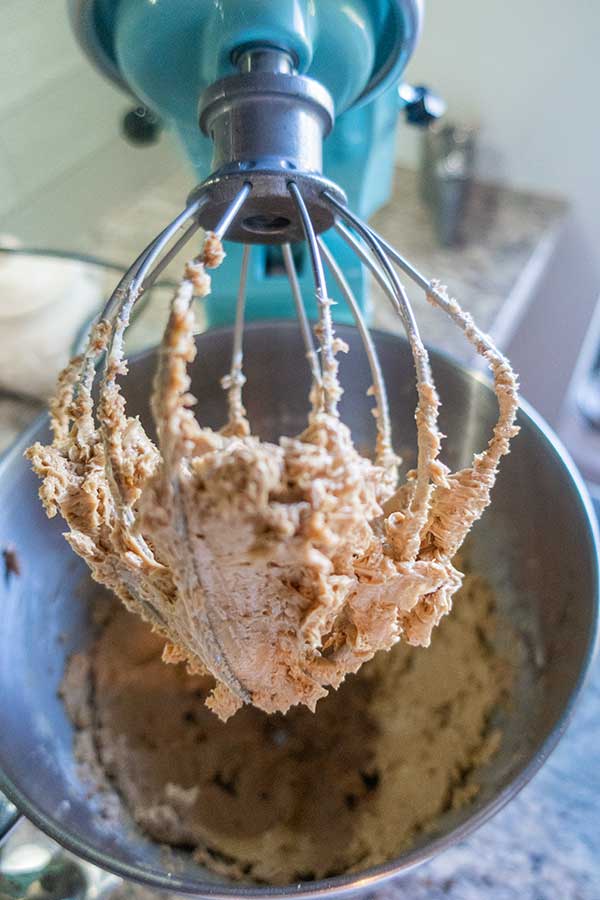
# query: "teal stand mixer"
x,y
260,93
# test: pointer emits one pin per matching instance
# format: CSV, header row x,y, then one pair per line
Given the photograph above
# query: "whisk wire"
x,y
238,331
365,256
89,361
234,382
118,312
232,210
311,239
473,334
141,273
404,264
397,293
331,391
384,443
114,351
311,354
169,256
408,539
155,249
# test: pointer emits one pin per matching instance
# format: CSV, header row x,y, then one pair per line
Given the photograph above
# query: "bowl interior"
x,y
535,544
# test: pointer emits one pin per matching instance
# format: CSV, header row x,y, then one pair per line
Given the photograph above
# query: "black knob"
x,y
421,106
141,127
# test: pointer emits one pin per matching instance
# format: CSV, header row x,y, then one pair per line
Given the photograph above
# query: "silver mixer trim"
x,y
267,125
264,58
270,215
266,119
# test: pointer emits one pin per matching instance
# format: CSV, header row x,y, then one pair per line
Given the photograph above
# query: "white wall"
x,y
528,73
62,160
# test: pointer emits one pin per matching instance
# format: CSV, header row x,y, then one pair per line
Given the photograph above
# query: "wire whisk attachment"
x,y
276,568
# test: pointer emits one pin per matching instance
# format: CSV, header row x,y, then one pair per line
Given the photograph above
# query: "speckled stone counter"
x,y
508,237
546,844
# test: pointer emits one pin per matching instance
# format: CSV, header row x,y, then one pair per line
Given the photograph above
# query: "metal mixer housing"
x,y
169,55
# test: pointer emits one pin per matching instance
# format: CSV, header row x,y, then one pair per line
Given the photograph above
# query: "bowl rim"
x,y
376,875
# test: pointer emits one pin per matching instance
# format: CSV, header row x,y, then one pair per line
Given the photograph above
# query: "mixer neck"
x,y
263,58
266,116
267,124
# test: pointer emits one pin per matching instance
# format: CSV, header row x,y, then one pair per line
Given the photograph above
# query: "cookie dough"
x,y
278,569
279,798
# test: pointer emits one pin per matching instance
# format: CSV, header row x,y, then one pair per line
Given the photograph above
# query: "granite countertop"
x,y
545,844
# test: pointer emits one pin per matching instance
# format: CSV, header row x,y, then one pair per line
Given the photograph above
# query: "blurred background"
x,y
522,76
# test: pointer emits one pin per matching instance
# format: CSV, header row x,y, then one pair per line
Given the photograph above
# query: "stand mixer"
x,y
287,110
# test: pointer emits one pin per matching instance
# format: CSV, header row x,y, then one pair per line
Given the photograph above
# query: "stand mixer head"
x,y
347,58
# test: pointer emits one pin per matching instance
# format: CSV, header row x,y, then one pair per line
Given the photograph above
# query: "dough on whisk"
x,y
276,568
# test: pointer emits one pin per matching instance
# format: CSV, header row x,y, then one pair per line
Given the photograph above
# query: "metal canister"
x,y
447,167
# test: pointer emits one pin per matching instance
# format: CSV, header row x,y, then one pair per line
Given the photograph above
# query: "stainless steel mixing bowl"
x,y
536,544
